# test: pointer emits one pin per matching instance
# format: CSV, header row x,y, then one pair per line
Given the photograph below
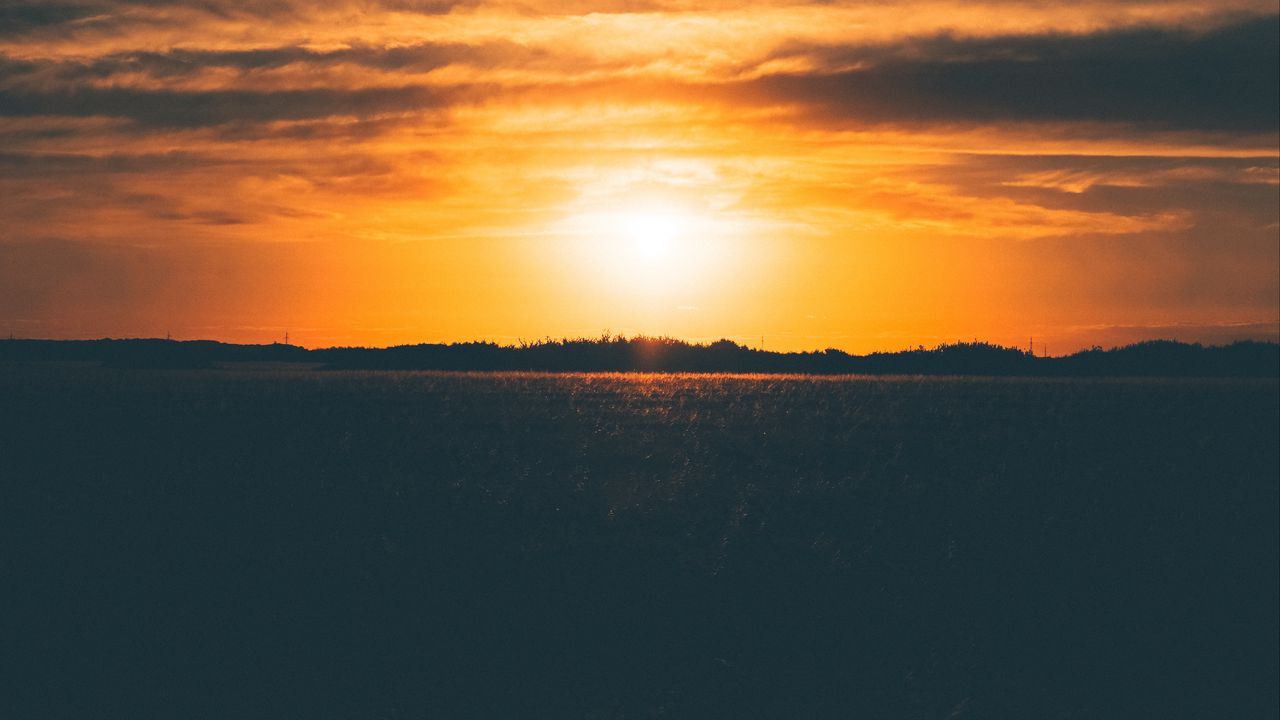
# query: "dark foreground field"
x,y
263,544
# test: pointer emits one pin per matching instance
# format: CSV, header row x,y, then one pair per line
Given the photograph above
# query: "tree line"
x,y
660,354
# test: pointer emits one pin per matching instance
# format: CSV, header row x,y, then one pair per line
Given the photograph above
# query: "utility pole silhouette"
x,y
286,337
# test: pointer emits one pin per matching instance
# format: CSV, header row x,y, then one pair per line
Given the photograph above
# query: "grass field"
x,y
264,544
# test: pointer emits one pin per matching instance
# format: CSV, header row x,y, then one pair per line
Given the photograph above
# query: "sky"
x,y
863,175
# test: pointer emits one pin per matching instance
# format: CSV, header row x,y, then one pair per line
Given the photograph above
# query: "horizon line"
x,y
1031,350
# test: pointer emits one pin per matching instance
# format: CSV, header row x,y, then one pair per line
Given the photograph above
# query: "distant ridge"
x,y
1156,358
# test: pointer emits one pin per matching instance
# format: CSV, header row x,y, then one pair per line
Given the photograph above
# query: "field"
x,y
262,543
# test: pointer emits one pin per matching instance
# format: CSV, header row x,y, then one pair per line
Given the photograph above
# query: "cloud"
x,y
1241,188
28,165
17,17
190,109
179,62
56,18
1225,79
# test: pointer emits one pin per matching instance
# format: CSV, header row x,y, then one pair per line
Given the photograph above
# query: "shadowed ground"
x,y
390,545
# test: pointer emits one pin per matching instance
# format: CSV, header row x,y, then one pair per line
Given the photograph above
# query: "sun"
x,y
652,250
648,235
653,235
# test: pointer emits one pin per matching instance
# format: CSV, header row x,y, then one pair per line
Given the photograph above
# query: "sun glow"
x,y
651,249
647,236
654,235
662,247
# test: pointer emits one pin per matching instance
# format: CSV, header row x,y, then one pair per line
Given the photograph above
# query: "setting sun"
x,y
653,234
663,264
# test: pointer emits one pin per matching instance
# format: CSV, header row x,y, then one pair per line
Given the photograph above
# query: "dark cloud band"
x,y
1228,79
183,109
1224,80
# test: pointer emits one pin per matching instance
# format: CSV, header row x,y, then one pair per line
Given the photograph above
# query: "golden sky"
x,y
861,175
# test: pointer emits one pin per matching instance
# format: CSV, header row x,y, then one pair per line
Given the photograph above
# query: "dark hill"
x,y
645,354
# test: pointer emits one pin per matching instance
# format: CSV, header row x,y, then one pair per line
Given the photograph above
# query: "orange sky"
x,y
859,175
